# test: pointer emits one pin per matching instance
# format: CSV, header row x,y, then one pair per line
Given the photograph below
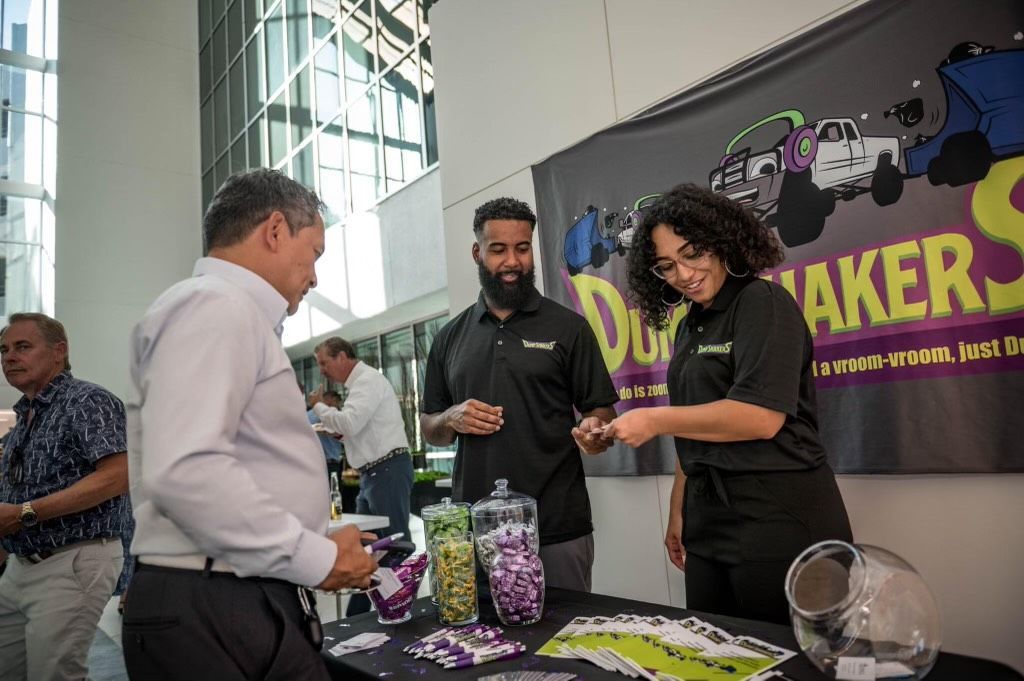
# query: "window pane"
x,y
367,352
397,363
332,171
255,94
219,57
21,89
257,155
327,70
22,30
205,23
208,190
277,130
360,62
21,150
237,85
206,134
220,117
396,29
253,14
21,276
302,167
50,156
235,30
298,36
403,141
364,151
205,71
301,107
424,333
274,29
324,14
222,170
429,115
238,161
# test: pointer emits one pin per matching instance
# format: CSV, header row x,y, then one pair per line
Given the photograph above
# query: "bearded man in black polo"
x,y
504,378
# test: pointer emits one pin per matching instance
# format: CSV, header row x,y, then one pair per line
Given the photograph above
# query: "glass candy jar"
x,y
508,545
455,571
447,519
857,608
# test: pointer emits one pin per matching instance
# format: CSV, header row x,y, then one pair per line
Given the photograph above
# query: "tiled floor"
x,y
106,663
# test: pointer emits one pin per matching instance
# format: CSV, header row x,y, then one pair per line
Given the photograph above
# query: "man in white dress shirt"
x,y
228,480
375,442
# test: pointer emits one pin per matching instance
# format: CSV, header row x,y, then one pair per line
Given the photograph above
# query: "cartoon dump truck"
x,y
984,119
588,242
794,184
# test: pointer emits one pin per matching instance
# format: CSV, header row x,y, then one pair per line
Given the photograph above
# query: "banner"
x,y
886,147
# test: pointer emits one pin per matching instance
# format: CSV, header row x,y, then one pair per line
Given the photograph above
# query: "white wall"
x,y
520,81
128,189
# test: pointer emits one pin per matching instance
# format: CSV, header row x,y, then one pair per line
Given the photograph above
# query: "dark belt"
x,y
398,451
40,556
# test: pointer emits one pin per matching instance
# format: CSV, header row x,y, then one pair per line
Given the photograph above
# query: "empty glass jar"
x,y
862,609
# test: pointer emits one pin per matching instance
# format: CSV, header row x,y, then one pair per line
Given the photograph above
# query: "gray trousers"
x,y
49,610
569,564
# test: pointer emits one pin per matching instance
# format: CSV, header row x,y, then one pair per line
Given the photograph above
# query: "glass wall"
x,y
401,355
28,154
337,94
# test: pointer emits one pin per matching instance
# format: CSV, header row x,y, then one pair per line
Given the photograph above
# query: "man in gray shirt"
x,y
228,480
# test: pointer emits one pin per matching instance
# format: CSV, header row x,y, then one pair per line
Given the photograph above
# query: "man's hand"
x,y
590,437
352,566
315,397
474,417
10,519
635,427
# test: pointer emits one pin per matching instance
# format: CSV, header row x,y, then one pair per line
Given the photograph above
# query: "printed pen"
x,y
481,659
383,543
440,633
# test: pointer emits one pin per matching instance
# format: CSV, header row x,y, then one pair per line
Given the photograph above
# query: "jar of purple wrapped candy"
x,y
508,545
394,605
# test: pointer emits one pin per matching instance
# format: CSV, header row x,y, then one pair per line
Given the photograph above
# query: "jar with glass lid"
x,y
446,519
507,538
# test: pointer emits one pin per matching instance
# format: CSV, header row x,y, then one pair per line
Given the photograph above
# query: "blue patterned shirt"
x,y
75,424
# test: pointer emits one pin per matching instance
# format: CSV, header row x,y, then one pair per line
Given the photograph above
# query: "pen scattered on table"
x,y
457,647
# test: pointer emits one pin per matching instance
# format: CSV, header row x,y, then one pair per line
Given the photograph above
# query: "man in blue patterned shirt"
x,y
63,507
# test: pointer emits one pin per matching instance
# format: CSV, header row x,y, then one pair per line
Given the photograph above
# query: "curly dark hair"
x,y
711,223
504,208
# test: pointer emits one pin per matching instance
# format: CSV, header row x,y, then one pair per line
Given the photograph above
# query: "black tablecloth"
x,y
389,662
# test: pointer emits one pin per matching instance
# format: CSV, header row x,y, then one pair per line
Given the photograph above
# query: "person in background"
x,y
752,486
331,444
63,506
375,441
231,508
504,377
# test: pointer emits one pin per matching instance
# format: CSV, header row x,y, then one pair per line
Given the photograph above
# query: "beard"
x,y
506,296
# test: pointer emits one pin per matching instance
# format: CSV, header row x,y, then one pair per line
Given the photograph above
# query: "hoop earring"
x,y
680,298
745,273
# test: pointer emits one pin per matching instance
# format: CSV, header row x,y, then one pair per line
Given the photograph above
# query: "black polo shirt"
x,y
750,345
537,364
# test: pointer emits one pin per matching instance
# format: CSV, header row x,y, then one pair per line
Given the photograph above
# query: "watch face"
x,y
28,518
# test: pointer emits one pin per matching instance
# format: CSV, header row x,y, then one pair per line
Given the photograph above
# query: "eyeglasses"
x,y
667,268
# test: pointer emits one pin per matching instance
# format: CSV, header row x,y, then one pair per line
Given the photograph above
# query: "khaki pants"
x,y
49,611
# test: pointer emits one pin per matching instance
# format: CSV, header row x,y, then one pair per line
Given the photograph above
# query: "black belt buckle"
x,y
314,630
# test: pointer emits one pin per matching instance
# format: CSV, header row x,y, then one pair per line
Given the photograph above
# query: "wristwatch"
x,y
28,515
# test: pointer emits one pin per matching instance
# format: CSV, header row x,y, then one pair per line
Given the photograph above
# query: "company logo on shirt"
x,y
715,349
539,345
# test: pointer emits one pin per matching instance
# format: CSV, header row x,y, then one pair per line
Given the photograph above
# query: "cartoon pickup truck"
x,y
984,119
589,242
794,184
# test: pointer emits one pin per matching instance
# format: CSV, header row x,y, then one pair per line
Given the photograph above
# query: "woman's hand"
x,y
674,541
634,427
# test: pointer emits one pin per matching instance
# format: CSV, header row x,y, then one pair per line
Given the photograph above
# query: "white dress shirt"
x,y
222,460
370,419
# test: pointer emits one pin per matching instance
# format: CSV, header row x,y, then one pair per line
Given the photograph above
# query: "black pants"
x,y
742,532
181,625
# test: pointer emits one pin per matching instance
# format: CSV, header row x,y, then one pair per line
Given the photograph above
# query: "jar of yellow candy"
x,y
455,565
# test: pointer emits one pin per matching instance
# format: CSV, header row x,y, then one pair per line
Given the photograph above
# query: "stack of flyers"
x,y
660,649
360,642
528,676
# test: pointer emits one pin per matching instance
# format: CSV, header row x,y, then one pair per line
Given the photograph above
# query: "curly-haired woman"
x,y
751,478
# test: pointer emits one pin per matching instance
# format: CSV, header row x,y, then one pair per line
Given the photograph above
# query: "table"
x,y
363,522
389,662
